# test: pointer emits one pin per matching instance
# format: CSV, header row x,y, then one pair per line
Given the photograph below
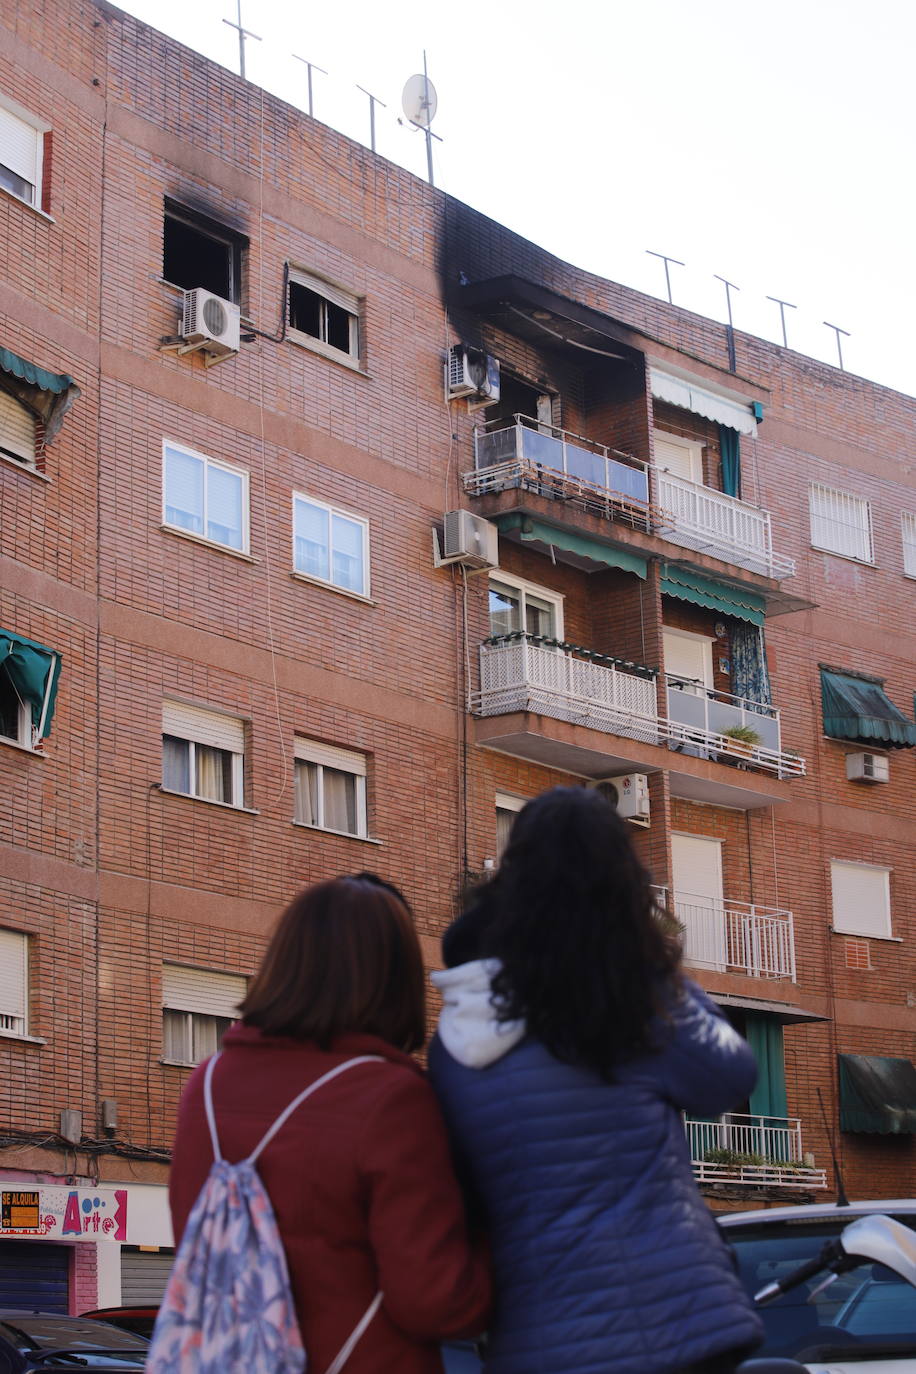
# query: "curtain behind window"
x,y
339,801
750,678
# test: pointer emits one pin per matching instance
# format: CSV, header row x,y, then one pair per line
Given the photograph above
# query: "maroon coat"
x,y
361,1182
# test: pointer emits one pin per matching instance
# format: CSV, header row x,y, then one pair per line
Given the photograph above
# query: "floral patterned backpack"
x,y
228,1307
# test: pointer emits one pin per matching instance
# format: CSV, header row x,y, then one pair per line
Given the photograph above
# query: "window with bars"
x,y
323,316
22,139
14,982
840,523
198,1007
908,534
203,754
205,497
330,788
330,545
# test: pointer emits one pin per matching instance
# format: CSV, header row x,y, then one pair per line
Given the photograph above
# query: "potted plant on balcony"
x,y
741,740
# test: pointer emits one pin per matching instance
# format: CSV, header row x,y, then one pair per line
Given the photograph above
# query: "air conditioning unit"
x,y
629,793
472,373
469,539
211,324
868,768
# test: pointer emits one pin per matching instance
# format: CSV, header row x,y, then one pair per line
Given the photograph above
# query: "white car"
x,y
864,1322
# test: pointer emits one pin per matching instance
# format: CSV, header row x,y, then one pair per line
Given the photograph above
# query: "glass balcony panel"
x,y
540,448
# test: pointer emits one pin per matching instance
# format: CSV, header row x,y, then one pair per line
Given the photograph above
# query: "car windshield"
x,y
871,1306
37,1333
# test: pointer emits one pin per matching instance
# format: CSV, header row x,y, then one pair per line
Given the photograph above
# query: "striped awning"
x,y
715,596
48,395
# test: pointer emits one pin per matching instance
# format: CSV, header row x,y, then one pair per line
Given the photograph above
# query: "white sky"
x,y
769,143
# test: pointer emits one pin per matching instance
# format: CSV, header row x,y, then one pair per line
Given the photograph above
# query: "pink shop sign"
x,y
64,1213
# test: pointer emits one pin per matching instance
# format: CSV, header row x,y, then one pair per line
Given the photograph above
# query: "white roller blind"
x,y
343,759
861,899
14,953
20,144
335,294
908,531
17,428
200,990
203,727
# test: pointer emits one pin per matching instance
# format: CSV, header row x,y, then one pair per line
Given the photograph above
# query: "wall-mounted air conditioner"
x,y
629,792
210,324
868,768
468,539
473,374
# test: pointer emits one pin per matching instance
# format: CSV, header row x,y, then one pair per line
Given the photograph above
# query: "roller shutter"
x,y
34,1274
143,1276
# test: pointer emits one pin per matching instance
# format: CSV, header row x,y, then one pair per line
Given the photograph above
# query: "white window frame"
x,y
523,587
847,534
18,440
16,123
908,539
196,995
505,801
347,761
198,726
330,294
14,984
332,511
208,463
24,735
847,915
694,452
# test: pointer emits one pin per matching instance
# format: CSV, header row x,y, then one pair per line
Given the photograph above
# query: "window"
x,y
908,531
205,497
14,713
29,676
840,523
14,982
330,788
680,457
330,545
688,659
861,899
696,862
203,754
21,153
199,251
323,316
198,1006
507,808
17,431
516,605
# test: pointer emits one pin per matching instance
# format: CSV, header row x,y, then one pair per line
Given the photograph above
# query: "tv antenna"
x,y
730,332
839,347
782,315
373,101
312,67
419,103
243,34
666,261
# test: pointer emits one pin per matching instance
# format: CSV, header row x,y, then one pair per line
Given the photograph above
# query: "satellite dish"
x,y
419,100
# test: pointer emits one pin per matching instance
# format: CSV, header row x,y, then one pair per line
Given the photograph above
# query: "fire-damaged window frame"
x,y
223,277
337,308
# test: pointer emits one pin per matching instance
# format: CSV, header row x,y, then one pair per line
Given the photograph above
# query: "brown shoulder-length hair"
x,y
344,957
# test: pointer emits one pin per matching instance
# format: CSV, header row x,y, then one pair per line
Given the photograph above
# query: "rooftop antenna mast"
x,y
839,347
373,101
243,34
419,103
730,332
782,315
666,261
312,67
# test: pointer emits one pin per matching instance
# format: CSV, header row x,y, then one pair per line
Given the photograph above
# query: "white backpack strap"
x,y
297,1101
346,1349
208,1104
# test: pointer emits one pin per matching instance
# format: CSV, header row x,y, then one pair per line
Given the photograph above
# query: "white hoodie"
x,y
468,1024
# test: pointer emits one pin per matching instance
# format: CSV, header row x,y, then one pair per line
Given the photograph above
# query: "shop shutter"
x,y
200,990
35,1274
143,1276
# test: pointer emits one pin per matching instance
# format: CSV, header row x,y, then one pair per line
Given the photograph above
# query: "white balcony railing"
x,y
740,1148
698,517
519,674
748,938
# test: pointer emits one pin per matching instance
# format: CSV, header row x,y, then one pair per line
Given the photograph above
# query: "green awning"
x,y
538,531
48,395
715,596
34,672
877,1095
856,708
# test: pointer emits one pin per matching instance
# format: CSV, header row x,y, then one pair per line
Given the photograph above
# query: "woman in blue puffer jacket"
x,y
568,1047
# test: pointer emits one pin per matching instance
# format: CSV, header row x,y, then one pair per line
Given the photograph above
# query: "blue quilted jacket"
x,y
607,1260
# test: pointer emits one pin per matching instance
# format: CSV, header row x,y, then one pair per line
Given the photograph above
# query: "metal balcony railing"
x,y
698,517
739,936
741,1148
700,717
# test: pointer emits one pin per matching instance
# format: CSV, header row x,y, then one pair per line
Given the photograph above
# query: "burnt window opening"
x,y
198,251
325,313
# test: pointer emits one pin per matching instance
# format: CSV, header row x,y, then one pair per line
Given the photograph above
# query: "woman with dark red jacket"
x,y
360,1176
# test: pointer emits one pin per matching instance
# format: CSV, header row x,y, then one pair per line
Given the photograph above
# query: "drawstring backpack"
x,y
228,1307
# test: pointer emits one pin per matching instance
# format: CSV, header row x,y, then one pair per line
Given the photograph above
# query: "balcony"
x,y
739,1148
697,517
736,937
553,462
700,718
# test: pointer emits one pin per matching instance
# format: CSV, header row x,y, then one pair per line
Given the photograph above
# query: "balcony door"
x,y
688,657
698,902
680,457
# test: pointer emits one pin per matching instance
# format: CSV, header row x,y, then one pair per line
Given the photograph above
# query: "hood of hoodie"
x,y
468,1024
